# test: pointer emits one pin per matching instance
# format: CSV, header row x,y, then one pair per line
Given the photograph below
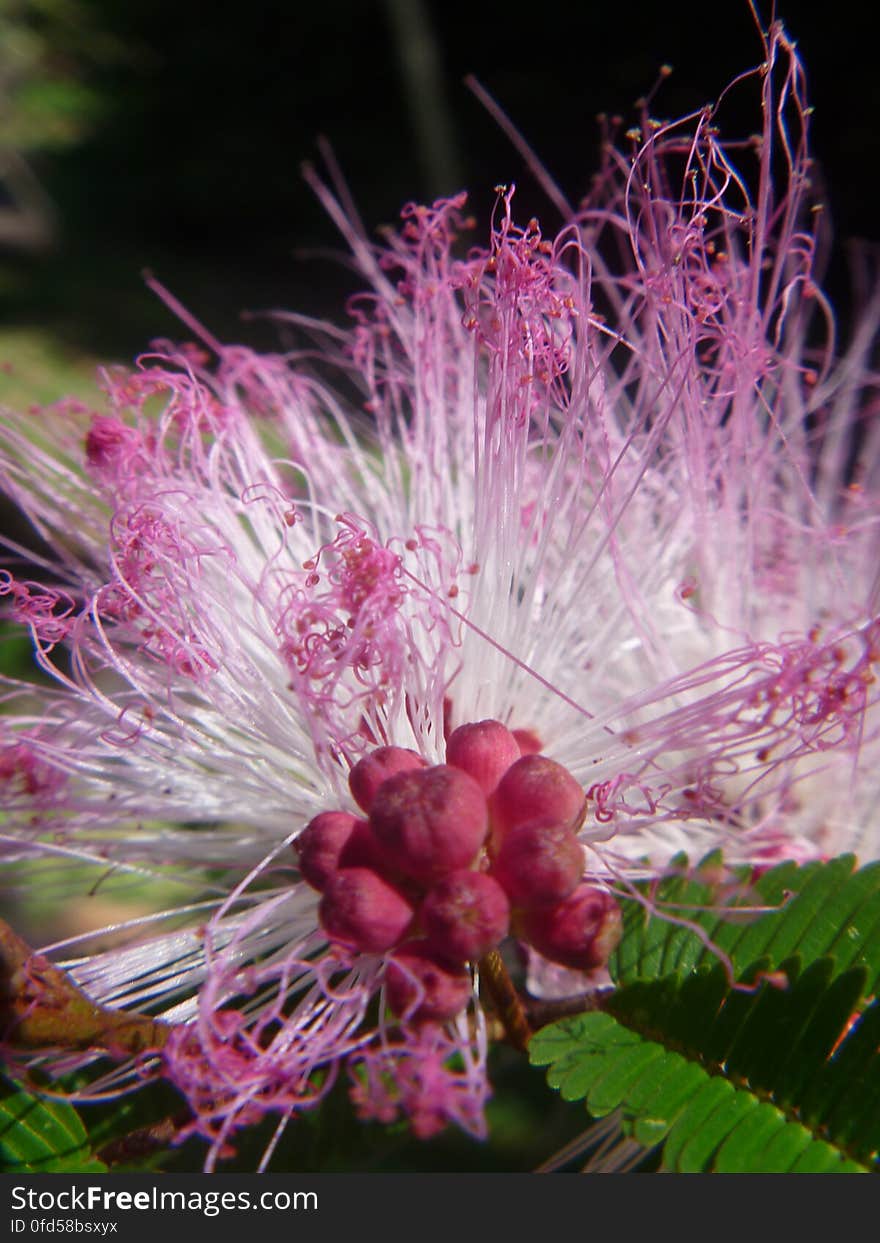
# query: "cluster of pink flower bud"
x,y
450,859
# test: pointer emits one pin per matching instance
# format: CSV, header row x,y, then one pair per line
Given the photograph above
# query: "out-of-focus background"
x,y
169,135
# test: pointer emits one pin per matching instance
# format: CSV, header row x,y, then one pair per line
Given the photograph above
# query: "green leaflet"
x,y
813,911
760,1079
759,1092
42,1136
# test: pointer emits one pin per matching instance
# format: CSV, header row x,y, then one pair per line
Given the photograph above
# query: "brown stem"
x,y
505,999
41,1008
541,1012
143,1142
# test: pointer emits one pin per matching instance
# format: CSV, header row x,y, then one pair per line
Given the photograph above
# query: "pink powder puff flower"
x,y
614,487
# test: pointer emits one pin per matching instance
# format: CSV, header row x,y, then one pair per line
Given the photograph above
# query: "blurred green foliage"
x,y
49,50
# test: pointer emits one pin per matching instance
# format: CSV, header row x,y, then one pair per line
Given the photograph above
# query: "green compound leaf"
x,y
39,1136
770,1080
822,909
722,1078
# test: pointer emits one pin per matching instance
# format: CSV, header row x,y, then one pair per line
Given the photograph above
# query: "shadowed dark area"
x,y
186,126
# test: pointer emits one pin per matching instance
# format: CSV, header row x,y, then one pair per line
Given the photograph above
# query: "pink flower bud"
x,y
362,850
464,916
535,788
581,932
432,821
363,911
485,750
374,769
418,987
539,863
320,845
528,741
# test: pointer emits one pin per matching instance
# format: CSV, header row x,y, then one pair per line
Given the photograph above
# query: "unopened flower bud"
x,y
363,911
582,932
369,773
485,750
363,850
418,987
539,863
432,821
528,741
535,788
320,845
465,915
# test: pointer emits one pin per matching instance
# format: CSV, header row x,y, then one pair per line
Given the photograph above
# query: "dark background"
x,y
187,122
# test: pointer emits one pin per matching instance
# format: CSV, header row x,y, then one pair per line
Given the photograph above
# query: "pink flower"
x,y
612,487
